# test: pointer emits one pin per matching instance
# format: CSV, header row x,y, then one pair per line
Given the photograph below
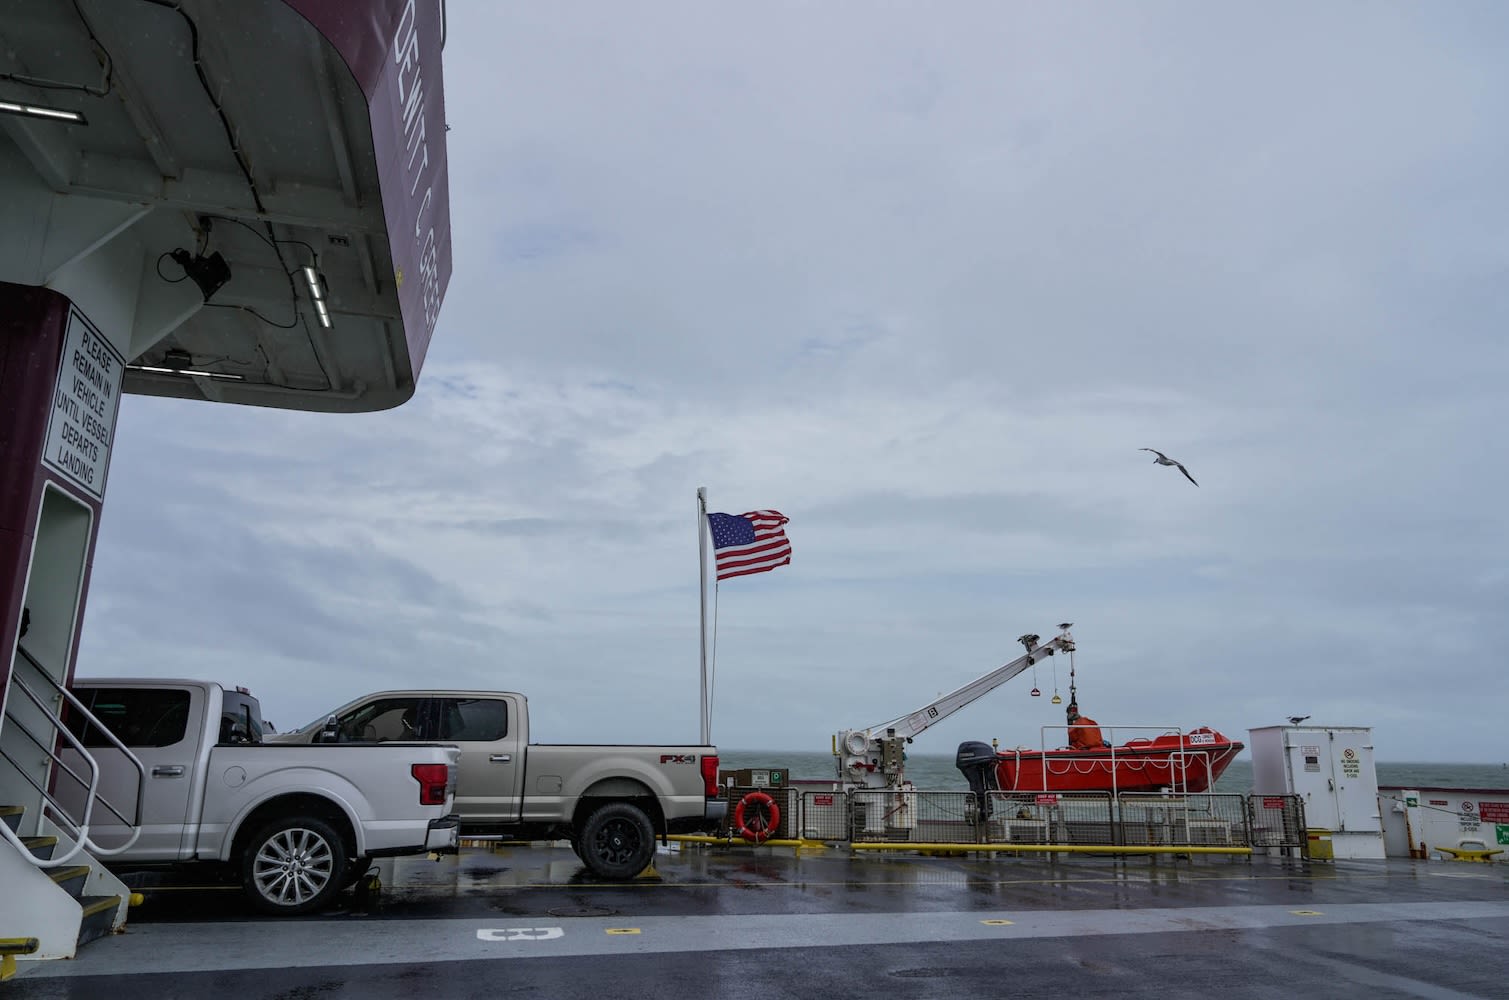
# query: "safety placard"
x,y
1273,802
84,403
1503,833
1493,812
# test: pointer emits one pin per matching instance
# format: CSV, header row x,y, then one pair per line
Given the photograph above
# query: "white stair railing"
x,y
80,826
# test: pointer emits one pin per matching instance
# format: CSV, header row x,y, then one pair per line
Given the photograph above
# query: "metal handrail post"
x,y
141,772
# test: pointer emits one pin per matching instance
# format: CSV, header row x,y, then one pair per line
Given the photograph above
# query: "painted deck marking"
x,y
519,933
996,923
1306,913
621,930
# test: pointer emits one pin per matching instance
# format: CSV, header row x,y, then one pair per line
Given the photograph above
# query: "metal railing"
x,y
1084,820
788,811
79,826
921,817
1277,821
1049,818
825,816
1208,820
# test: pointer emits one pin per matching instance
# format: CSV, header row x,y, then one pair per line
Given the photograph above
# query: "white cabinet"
x,y
1331,768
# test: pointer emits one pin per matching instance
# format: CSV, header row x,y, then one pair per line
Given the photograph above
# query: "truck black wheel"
x,y
294,865
617,841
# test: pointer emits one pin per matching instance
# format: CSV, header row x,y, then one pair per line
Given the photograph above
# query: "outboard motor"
x,y
978,763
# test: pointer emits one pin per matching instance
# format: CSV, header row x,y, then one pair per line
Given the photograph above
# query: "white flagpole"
x,y
706,737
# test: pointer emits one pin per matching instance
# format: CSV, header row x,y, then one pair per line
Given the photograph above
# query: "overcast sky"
x,y
923,277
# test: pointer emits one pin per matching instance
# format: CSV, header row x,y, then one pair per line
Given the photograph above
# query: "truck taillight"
x,y
710,775
433,781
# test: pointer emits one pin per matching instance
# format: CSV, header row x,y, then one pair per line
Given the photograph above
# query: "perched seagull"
x,y
1295,720
1163,459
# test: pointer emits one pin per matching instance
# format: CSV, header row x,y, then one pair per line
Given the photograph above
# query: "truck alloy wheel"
x,y
617,841
293,865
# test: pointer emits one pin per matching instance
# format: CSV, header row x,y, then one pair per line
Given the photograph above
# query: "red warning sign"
x,y
1493,812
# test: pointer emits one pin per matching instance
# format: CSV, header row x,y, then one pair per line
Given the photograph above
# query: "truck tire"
x,y
617,841
294,865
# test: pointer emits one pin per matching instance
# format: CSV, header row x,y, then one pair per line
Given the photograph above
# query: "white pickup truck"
x,y
296,824
610,801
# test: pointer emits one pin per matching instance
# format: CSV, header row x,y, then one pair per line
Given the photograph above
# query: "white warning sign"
x,y
84,404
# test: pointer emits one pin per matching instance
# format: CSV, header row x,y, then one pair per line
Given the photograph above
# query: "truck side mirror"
x,y
331,733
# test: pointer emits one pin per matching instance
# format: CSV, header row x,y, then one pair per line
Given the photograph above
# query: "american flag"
x,y
749,543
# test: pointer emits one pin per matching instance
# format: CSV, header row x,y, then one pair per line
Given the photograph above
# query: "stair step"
x,y
11,817
40,847
99,917
71,878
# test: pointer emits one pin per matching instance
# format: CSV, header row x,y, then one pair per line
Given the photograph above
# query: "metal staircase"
x,y
58,896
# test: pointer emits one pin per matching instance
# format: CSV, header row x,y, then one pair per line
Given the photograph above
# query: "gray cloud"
x,y
925,281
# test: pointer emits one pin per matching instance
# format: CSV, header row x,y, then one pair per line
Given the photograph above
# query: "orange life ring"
x,y
762,819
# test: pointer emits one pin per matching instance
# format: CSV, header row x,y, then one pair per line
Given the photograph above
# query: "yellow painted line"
x,y
946,849
621,930
1053,848
1307,913
838,883
699,838
996,923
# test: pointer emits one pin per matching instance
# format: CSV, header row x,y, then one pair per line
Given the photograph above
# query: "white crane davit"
x,y
873,757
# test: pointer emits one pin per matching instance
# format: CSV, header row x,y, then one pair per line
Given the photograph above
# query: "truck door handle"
x,y
500,758
168,771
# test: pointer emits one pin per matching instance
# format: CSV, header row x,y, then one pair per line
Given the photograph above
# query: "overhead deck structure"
x,y
235,201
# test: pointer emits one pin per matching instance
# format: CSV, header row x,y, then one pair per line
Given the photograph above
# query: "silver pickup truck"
x,y
295,824
610,801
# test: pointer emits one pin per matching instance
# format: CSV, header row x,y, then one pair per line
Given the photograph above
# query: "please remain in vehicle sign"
x,y
84,404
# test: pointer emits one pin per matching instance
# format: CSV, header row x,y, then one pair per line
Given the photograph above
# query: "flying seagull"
x,y
1295,720
1163,459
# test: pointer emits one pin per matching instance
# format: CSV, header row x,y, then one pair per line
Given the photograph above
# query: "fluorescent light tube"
x,y
317,295
158,370
40,111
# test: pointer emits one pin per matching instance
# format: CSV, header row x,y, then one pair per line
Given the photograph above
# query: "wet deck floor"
x,y
768,923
